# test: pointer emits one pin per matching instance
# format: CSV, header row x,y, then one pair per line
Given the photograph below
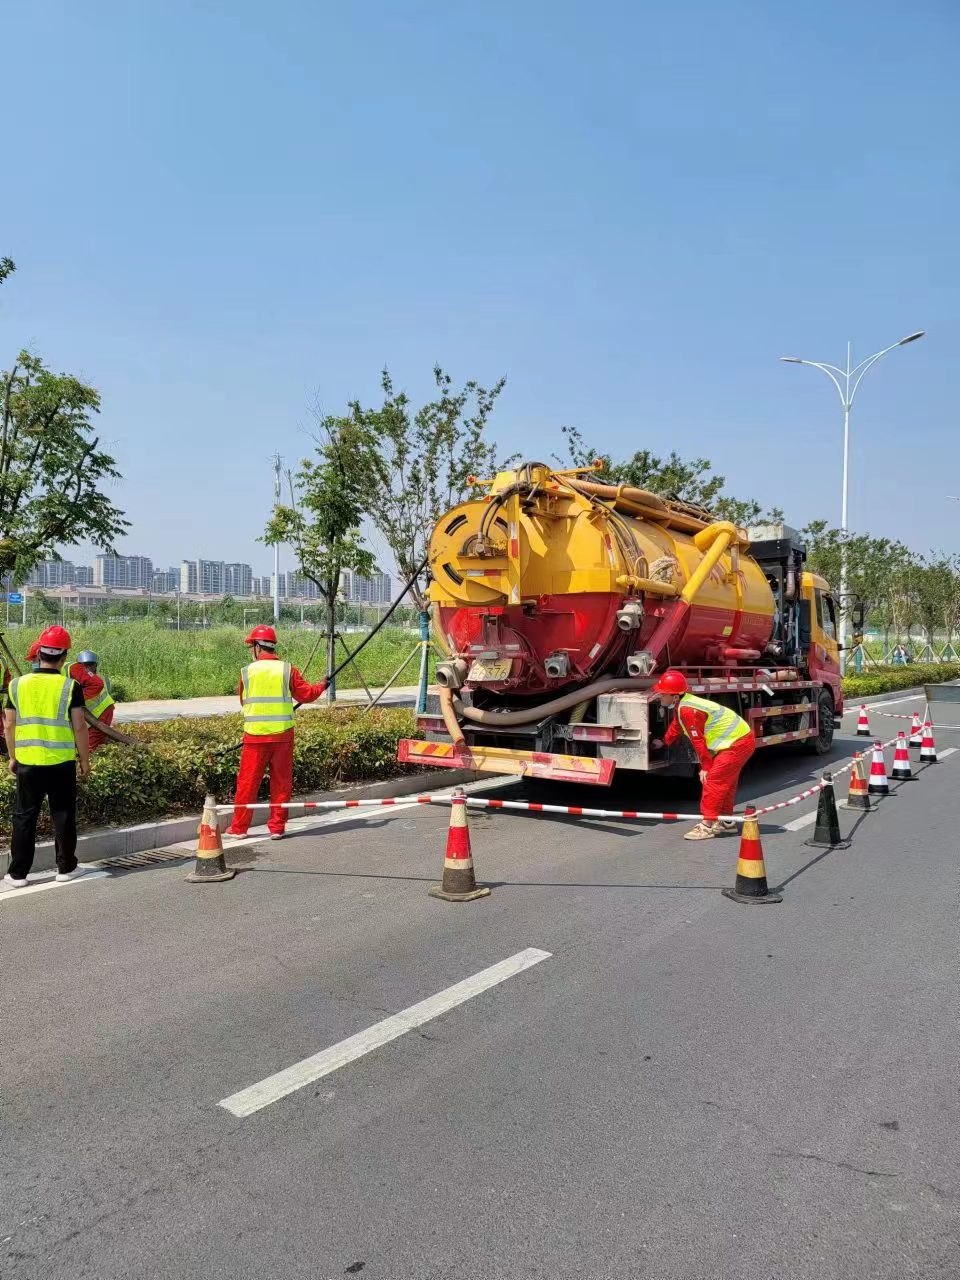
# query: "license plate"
x,y
482,672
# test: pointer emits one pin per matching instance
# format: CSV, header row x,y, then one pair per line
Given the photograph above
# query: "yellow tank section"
x,y
552,539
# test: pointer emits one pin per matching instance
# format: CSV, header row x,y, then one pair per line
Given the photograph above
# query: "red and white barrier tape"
x,y
532,806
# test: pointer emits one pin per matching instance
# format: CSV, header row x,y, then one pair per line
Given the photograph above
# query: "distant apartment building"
x,y
84,575
128,572
238,580
58,573
376,589
300,586
165,581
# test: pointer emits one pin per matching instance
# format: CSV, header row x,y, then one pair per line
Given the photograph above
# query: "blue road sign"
x,y
15,597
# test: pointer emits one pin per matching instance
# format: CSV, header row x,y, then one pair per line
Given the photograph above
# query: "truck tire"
x,y
821,744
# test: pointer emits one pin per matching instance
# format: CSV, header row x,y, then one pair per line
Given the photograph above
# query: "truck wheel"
x,y
821,744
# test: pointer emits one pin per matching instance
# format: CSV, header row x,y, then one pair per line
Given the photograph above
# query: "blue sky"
x,y
222,212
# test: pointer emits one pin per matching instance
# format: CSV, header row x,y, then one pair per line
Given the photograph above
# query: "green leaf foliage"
x,y
908,676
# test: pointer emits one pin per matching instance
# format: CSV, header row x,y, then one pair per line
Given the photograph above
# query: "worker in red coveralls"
x,y
723,742
268,690
97,694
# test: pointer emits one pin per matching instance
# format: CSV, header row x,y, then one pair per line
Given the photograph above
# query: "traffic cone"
x,y
826,834
901,771
916,733
751,883
863,724
858,797
210,865
928,748
459,883
878,786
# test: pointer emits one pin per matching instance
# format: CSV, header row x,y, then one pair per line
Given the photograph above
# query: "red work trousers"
x,y
97,739
720,787
254,759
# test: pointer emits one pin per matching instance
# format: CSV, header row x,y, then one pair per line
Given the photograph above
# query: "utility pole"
x,y
277,469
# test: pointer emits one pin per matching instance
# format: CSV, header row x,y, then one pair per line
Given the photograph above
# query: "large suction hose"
x,y
507,719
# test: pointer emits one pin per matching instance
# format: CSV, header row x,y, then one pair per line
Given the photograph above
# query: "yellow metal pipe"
x,y
631,583
713,541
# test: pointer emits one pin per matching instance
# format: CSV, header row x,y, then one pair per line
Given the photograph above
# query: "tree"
x,y
416,463
322,521
691,481
51,466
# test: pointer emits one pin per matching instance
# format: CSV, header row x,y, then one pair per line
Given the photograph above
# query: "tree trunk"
x,y
331,644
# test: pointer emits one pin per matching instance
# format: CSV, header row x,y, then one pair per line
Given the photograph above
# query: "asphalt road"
x,y
683,1088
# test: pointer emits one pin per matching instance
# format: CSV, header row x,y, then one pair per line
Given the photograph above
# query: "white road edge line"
x,y
803,821
38,885
949,751
277,1086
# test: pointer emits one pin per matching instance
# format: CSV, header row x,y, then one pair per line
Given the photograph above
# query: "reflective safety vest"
x,y
723,728
98,702
44,734
267,700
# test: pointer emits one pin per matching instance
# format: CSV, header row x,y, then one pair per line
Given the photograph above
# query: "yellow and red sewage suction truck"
x,y
556,601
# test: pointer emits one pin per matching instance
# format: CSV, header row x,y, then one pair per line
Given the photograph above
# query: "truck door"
x,y
825,630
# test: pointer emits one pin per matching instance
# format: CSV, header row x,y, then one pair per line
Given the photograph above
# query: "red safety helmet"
x,y
672,681
262,635
56,639
33,651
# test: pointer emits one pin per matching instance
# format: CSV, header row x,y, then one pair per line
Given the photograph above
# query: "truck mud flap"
x,y
521,764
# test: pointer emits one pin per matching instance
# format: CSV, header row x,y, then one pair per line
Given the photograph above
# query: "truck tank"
x,y
551,581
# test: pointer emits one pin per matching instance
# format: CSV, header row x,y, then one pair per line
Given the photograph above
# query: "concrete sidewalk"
x,y
171,708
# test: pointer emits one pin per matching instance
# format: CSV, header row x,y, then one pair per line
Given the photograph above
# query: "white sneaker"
x,y
11,883
278,835
63,877
237,836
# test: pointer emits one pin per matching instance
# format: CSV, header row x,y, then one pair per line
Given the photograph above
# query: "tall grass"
x,y
144,661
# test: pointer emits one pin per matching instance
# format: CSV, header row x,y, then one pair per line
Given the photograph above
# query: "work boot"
x,y
702,831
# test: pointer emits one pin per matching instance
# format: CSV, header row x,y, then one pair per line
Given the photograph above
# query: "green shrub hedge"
x,y
127,785
886,679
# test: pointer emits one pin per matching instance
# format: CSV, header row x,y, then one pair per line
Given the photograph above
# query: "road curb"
x,y
120,842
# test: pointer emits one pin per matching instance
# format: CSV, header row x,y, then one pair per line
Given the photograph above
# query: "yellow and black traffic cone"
x,y
858,797
751,883
459,882
210,865
826,834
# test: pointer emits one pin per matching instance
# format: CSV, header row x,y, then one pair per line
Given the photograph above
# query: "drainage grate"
x,y
151,858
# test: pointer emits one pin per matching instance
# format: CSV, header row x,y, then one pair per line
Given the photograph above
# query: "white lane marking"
x,y
46,880
887,702
803,821
942,755
274,1087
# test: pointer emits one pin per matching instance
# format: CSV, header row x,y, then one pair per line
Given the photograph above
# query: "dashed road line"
x,y
257,1096
803,821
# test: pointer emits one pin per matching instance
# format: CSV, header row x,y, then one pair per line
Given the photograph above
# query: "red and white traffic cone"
x,y
901,771
863,724
928,748
879,786
916,733
459,882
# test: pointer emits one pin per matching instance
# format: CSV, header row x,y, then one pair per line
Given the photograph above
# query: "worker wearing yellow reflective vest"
x,y
268,690
97,694
46,733
723,743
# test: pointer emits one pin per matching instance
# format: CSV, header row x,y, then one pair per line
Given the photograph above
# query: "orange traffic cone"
x,y
459,883
751,883
863,724
916,733
210,865
928,748
858,797
901,771
879,786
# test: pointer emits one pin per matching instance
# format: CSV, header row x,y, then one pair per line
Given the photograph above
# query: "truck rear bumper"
x,y
506,760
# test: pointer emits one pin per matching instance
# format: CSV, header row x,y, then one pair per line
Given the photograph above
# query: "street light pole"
x,y
847,394
277,465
